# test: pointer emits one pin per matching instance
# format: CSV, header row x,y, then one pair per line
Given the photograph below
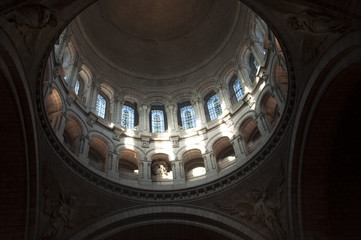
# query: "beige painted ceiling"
x,y
158,39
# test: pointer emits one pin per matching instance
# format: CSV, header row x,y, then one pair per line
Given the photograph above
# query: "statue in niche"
x,y
262,207
162,171
160,168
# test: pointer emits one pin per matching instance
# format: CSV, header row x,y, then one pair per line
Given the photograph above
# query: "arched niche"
x,y
72,134
223,152
161,167
53,108
270,108
98,153
250,133
128,165
193,163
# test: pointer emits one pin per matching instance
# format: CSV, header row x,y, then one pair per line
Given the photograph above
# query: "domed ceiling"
x,y
157,39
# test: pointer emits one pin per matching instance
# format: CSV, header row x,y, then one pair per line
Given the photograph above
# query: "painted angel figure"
x,y
261,208
63,208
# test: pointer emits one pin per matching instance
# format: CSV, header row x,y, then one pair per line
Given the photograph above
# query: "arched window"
x,y
101,106
254,67
158,123
214,107
238,89
127,117
188,117
77,86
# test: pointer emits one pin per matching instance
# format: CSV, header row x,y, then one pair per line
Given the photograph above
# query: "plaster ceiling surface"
x,y
158,39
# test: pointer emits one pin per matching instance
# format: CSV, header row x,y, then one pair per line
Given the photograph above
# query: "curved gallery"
x,y
225,111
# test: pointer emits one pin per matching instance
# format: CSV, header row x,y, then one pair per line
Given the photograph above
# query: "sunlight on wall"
x,y
226,131
198,171
195,142
129,143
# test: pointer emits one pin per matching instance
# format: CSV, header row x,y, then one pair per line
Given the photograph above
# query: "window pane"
x,y
188,117
101,105
157,121
214,107
76,88
238,90
127,117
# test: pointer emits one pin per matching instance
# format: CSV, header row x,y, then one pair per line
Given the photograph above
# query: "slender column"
x,y
146,110
178,172
145,176
113,164
60,130
225,102
256,52
239,152
263,124
210,165
239,72
62,45
96,91
171,120
236,148
85,142
74,73
119,114
278,95
201,117
243,146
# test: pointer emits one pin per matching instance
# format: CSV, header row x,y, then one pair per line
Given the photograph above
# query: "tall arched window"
x,y
127,117
188,117
77,86
101,106
238,89
214,107
158,123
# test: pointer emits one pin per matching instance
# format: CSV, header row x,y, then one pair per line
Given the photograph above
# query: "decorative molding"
x,y
175,141
145,141
92,118
117,132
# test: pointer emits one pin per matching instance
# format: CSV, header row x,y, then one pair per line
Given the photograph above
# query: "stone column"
x,y
113,164
64,41
242,76
240,155
242,146
84,146
119,114
178,172
145,175
225,101
60,129
210,165
172,121
256,52
277,93
93,105
198,104
115,111
145,120
73,76
263,124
